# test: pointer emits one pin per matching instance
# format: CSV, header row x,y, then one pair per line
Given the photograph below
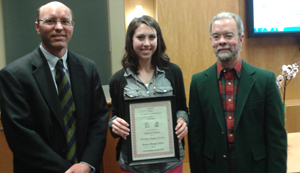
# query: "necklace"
x,y
137,86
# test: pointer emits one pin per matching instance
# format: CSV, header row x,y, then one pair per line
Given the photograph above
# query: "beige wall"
x,y
2,44
116,33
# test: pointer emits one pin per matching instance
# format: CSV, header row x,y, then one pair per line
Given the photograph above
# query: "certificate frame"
x,y
157,142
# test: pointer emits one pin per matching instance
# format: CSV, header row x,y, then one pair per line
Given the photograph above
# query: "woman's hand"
x,y
120,127
181,129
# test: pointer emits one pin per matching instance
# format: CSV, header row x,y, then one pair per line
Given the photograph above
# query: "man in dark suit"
x,y
236,112
40,134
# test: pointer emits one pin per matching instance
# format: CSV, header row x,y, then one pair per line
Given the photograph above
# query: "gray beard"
x,y
226,57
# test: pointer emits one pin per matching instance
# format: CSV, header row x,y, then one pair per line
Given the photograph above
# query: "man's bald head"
x,y
53,4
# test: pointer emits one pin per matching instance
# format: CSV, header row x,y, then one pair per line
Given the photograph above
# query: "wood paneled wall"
x,y
6,156
185,27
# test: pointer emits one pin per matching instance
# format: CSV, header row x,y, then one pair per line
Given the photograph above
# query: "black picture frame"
x,y
166,103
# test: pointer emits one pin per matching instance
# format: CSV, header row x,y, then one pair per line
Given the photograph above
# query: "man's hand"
x,y
79,168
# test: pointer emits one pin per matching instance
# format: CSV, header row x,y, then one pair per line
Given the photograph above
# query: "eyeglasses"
x,y
217,37
53,22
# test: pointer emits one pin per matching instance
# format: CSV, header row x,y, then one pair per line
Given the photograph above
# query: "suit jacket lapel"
x,y
76,73
211,88
43,77
246,83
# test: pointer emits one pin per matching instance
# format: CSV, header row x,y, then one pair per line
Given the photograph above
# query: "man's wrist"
x,y
92,169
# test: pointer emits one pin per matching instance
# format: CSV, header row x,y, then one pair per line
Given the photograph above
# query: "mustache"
x,y
220,48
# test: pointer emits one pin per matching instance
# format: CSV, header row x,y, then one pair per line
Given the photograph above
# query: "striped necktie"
x,y
68,109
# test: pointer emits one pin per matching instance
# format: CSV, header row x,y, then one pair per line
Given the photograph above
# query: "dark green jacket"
x,y
260,137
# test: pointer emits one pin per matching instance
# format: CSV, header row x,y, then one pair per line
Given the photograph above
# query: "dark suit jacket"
x,y
32,117
260,137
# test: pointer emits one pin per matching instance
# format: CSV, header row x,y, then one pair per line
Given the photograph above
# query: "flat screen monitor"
x,y
269,18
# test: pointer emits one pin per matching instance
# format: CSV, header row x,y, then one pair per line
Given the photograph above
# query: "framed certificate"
x,y
152,123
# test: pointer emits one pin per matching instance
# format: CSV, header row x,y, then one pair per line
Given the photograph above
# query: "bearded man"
x,y
236,113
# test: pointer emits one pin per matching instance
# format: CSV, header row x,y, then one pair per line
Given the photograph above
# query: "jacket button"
x,y
64,150
225,157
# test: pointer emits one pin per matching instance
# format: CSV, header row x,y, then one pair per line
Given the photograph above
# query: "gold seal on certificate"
x,y
152,136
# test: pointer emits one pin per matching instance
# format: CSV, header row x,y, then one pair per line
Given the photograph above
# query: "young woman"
x,y
147,72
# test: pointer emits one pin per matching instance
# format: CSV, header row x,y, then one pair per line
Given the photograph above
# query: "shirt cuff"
x,y
111,120
92,168
184,115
